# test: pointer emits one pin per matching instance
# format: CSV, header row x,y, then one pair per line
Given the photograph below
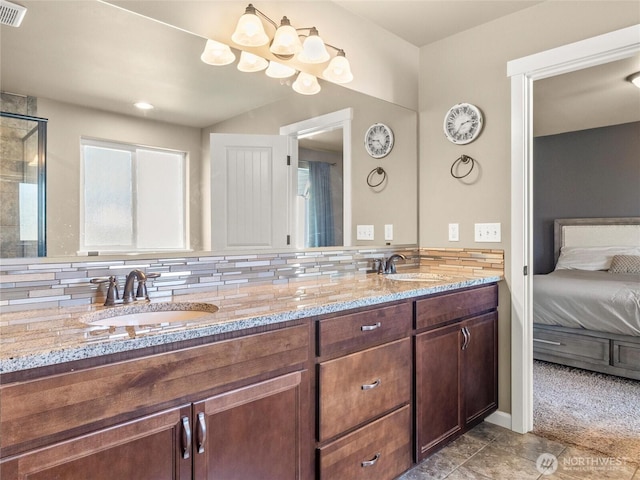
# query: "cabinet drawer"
x,y
548,344
378,451
360,386
626,355
443,308
364,329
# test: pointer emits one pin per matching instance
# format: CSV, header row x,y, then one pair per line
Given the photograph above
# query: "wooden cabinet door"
x,y
150,448
256,432
480,367
438,388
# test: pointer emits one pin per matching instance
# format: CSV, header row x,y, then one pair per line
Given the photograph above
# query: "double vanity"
x,y
350,377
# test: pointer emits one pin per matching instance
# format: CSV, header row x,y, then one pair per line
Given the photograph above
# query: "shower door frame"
x,y
41,176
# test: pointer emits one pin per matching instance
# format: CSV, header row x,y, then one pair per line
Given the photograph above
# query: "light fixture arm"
x,y
253,10
314,30
339,50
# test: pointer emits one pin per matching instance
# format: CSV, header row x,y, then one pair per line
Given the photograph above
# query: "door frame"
x,y
523,72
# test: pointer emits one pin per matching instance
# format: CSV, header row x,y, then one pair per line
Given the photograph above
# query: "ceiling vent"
x,y
11,14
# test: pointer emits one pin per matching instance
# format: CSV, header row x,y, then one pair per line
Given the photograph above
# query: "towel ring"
x,y
463,159
378,171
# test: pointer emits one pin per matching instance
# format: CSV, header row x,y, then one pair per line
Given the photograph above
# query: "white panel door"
x,y
250,191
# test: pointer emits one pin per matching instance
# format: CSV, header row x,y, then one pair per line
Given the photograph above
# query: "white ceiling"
x,y
427,21
41,58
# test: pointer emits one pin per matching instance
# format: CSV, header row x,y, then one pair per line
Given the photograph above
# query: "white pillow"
x,y
591,258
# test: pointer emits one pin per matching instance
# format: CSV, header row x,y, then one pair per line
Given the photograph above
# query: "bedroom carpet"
x,y
593,411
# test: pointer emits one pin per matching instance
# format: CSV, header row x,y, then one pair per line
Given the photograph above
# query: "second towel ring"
x,y
463,159
378,171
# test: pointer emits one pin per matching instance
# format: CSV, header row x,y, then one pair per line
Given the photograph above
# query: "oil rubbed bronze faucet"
x,y
141,293
389,265
128,296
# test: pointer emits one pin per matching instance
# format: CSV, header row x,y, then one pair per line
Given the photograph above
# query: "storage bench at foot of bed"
x,y
596,351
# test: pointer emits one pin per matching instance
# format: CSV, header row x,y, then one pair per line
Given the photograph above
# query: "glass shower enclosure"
x,y
22,186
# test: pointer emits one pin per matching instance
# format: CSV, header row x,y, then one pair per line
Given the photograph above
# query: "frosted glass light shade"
x,y
216,53
251,63
313,49
249,30
306,84
635,79
278,70
338,70
286,40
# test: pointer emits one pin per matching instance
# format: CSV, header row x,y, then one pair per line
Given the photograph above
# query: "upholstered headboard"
x,y
595,232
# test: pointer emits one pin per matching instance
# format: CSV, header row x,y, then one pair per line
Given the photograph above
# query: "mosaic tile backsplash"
x,y
50,284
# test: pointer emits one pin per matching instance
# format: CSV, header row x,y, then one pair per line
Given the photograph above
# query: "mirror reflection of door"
x,y
22,179
251,191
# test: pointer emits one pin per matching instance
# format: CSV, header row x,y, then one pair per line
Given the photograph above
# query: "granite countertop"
x,y
38,338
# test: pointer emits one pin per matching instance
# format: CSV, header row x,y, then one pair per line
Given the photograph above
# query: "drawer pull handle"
x,y
372,462
202,432
539,340
368,328
369,386
186,437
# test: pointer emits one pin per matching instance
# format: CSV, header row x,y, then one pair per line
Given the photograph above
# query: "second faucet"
x,y
389,265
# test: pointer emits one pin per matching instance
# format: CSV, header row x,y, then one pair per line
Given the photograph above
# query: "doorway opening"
x,y
323,203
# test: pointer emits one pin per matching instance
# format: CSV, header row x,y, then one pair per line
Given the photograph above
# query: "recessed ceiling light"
x,y
143,105
635,79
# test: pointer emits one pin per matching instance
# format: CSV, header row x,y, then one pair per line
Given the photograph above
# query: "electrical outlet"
x,y
364,232
454,232
487,232
388,231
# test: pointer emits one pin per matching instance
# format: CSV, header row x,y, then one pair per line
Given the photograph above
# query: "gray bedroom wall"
x,y
589,173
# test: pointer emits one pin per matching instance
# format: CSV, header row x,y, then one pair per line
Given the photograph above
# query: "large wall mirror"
x,y
82,64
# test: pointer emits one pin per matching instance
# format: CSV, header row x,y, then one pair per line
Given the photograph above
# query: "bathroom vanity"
x,y
334,390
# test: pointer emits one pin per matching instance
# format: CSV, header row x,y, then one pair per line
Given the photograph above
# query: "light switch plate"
x,y
388,231
487,232
454,232
364,232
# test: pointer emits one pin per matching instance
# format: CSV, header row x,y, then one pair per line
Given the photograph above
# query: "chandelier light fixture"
x,y
285,45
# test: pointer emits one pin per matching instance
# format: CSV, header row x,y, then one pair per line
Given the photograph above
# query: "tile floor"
x,y
489,452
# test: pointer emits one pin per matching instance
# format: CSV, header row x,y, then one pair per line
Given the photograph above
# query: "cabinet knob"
x,y
372,462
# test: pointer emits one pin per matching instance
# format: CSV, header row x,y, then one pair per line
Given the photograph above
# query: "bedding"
x,y
625,264
594,300
591,258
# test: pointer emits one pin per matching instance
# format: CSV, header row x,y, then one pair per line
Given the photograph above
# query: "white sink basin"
x,y
418,277
150,314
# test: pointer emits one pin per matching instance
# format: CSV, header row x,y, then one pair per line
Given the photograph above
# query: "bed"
x,y
586,313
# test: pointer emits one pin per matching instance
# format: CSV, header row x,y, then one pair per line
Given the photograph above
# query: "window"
x,y
133,198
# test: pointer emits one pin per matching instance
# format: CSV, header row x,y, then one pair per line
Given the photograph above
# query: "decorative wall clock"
x,y
463,123
378,140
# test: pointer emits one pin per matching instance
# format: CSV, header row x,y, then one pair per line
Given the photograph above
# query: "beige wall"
x,y
67,124
397,203
471,67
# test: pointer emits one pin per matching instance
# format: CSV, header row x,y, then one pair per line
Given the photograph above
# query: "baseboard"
x,y
502,419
